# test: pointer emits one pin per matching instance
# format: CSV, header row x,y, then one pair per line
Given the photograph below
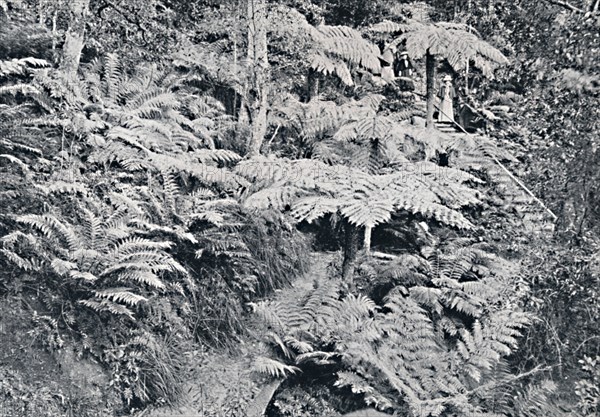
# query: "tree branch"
x,y
566,5
124,15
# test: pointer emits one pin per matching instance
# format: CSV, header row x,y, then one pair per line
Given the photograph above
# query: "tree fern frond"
x,y
329,66
368,212
311,208
273,197
271,367
348,44
433,210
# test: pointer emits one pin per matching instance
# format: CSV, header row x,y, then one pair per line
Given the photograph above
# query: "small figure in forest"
x,y
402,66
446,95
387,65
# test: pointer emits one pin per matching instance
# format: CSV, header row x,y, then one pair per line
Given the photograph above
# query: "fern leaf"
x,y
120,295
311,208
108,306
17,260
273,368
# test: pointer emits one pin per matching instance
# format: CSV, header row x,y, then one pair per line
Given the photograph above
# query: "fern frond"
x,y
271,367
15,89
311,208
368,212
11,158
92,229
17,260
299,346
142,277
348,44
112,75
329,66
108,306
52,227
120,295
64,187
170,189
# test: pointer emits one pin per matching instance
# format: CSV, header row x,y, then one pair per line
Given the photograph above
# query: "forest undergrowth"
x,y
248,209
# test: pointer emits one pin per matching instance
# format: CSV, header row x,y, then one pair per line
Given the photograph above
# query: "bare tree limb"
x,y
566,5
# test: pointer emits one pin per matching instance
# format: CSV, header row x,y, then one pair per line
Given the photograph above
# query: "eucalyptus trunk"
x,y
74,38
259,77
430,84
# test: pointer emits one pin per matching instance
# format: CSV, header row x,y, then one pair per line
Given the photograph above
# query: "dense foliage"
x,y
228,208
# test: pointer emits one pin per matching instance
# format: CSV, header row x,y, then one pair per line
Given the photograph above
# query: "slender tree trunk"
x,y
467,92
257,54
74,38
42,18
54,20
430,83
351,239
367,242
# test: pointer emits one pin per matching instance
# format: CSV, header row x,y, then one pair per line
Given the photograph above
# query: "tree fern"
x,y
447,40
335,49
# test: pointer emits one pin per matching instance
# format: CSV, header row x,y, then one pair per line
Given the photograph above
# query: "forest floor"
x,y
224,382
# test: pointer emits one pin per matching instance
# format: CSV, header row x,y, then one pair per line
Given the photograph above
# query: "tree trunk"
x,y
74,39
259,78
367,243
430,82
351,239
312,85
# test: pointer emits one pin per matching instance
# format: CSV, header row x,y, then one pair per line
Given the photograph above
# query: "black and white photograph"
x,y
299,208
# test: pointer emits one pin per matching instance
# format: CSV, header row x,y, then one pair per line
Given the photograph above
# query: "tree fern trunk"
x,y
367,243
257,54
74,39
351,239
312,85
430,83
